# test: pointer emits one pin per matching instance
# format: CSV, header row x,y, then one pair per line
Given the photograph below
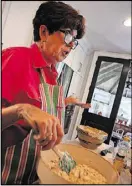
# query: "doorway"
x,y
105,93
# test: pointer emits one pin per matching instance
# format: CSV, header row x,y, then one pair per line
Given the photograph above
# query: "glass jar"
x,y
119,163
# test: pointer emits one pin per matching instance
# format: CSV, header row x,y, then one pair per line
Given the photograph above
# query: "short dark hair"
x,y
57,15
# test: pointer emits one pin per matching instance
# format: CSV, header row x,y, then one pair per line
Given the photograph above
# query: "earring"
x,y
42,44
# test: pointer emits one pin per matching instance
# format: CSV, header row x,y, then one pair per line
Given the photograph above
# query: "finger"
x,y
60,134
48,137
49,132
36,135
54,138
86,105
42,132
44,142
38,138
50,145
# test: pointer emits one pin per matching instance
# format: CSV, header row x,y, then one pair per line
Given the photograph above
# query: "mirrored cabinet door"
x,y
105,88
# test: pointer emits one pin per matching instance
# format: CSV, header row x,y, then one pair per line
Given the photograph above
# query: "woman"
x,y
31,98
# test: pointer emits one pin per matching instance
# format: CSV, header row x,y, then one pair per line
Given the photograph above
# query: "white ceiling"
x,y
104,19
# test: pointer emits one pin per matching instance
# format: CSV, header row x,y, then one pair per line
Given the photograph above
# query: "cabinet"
x,y
76,85
78,59
69,59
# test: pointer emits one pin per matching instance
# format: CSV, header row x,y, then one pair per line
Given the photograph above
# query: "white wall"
x,y
17,22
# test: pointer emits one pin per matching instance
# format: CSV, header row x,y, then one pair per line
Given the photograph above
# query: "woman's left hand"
x,y
71,100
84,105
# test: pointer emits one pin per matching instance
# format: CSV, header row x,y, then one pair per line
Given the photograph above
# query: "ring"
x,y
46,138
49,134
43,140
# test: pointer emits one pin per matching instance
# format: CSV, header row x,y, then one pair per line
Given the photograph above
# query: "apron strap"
x,y
42,78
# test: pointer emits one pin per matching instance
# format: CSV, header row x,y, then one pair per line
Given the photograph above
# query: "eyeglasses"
x,y
69,38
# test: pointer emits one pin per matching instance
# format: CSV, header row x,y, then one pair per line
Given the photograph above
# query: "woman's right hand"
x,y
47,127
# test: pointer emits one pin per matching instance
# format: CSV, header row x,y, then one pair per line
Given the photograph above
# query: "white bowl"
x,y
80,155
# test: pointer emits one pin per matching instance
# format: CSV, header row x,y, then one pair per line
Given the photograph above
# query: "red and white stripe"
x,y
52,104
34,170
51,98
37,150
23,159
59,109
42,95
7,163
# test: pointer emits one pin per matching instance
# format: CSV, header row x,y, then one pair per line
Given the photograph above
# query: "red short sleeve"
x,y
13,60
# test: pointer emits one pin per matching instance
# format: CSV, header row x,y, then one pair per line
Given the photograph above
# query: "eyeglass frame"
x,y
73,39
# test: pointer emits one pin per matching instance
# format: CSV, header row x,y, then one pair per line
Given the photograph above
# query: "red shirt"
x,y
20,82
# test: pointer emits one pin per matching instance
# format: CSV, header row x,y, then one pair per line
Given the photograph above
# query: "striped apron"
x,y
19,161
